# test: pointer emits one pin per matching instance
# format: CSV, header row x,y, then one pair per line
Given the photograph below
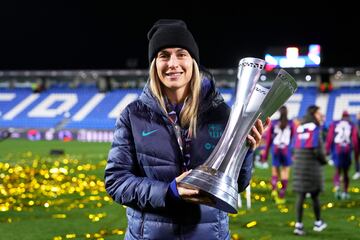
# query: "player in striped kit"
x,y
356,176
341,141
278,138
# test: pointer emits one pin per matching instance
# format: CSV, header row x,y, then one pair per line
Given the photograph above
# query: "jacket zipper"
x,y
142,226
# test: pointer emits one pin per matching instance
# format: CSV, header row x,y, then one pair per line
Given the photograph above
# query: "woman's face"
x,y
319,116
174,68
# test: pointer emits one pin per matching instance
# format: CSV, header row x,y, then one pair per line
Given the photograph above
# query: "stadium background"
x,y
64,80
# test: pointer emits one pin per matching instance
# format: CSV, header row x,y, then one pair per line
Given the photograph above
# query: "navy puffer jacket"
x,y
145,158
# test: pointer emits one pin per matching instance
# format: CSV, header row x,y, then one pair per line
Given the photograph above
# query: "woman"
x,y
278,138
309,156
341,141
164,134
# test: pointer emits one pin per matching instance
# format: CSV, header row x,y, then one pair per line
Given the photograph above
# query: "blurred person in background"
x,y
309,158
357,162
341,141
259,162
164,134
278,139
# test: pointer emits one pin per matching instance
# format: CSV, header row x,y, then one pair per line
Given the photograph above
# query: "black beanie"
x,y
166,33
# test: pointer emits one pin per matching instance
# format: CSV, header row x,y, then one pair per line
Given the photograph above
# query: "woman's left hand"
x,y
255,135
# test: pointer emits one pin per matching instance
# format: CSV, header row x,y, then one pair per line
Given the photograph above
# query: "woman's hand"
x,y
255,136
191,194
182,190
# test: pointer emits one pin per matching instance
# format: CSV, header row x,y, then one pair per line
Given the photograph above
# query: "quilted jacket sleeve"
x,y
123,180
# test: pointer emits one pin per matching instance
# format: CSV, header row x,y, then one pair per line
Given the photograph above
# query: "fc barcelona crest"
x,y
215,130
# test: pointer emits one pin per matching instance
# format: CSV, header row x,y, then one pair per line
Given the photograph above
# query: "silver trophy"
x,y
217,177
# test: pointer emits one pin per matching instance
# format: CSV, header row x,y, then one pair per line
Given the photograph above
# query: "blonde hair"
x,y
189,113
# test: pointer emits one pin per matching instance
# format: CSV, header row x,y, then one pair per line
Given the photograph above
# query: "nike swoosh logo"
x,y
144,134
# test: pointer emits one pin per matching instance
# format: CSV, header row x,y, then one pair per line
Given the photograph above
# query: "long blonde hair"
x,y
189,113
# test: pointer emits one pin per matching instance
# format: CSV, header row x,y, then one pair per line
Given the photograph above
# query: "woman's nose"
x,y
173,61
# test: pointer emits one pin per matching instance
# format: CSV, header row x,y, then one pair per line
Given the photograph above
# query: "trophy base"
x,y
219,190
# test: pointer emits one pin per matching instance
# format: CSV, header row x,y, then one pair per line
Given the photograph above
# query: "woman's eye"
x,y
162,56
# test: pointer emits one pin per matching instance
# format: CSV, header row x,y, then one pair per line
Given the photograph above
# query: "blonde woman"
x,y
172,128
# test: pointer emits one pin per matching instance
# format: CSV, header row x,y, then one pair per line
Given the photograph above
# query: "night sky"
x,y
107,35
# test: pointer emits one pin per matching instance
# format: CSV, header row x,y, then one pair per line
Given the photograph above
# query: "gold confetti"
x,y
59,216
70,235
251,224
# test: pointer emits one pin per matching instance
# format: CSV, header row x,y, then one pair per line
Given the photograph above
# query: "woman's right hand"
x,y
191,194
184,191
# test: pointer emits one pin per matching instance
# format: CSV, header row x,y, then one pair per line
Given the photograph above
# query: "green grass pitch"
x,y
45,196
